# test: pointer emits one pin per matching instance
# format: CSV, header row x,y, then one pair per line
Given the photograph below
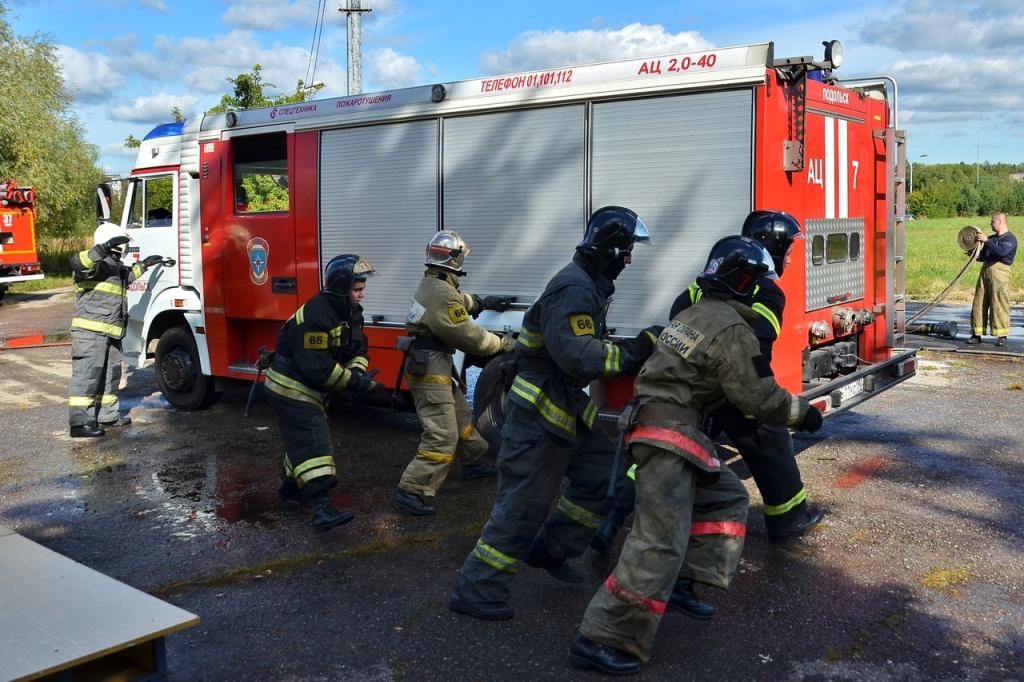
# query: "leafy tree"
x,y
248,93
42,143
132,142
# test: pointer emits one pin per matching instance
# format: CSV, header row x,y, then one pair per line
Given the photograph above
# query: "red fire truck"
x,y
252,204
18,259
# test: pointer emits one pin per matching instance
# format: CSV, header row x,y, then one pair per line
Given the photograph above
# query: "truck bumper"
x,y
848,391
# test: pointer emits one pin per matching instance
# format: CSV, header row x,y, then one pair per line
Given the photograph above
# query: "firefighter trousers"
x,y
309,457
95,378
688,525
768,453
448,434
531,466
991,308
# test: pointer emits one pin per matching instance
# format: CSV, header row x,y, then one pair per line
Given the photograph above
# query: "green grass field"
x,y
934,259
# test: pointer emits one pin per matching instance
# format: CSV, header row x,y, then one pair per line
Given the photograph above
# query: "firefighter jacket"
x,y
440,313
318,349
101,292
561,349
706,355
769,302
1000,248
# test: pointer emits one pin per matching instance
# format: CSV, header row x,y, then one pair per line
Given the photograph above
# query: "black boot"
x,y
974,339
471,472
588,654
289,492
87,431
325,516
559,569
120,421
802,523
1001,341
481,610
685,600
410,503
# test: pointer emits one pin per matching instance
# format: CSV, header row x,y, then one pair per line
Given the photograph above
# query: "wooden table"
x,y
61,620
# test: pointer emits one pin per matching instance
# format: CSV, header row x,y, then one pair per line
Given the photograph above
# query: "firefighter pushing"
x,y
101,313
439,324
321,349
767,450
550,432
691,509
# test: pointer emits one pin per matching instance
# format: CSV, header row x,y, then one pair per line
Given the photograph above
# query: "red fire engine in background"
x,y
19,261
252,204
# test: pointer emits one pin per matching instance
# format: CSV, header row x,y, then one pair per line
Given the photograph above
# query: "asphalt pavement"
x,y
917,572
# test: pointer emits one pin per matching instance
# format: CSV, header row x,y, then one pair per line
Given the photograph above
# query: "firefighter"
x,y
101,312
691,509
991,305
320,349
766,449
439,323
549,432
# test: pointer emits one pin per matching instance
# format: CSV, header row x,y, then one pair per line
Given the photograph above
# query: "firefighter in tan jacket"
x,y
439,322
691,508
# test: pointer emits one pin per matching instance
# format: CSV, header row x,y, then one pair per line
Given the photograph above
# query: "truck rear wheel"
x,y
179,373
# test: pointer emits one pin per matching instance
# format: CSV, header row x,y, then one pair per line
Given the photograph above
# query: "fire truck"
x,y
18,259
252,204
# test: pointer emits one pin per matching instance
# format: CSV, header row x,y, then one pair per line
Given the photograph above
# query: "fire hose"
x,y
966,239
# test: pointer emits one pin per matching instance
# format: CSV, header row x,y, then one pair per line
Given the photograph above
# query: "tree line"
x,y
945,190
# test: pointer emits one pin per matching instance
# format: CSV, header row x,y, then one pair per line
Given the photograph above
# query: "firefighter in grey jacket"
x,y
320,349
691,509
101,312
549,431
439,324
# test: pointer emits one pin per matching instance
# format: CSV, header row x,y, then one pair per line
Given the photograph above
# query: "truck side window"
x,y
152,203
817,250
260,173
837,247
854,245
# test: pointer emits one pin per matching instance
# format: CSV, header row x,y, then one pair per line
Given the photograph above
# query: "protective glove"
x,y
812,420
150,261
498,303
508,344
114,245
646,339
362,382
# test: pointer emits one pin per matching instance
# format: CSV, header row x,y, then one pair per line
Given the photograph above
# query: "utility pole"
x,y
354,66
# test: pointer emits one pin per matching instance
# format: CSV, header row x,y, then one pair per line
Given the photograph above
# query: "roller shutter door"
x,y
684,164
378,198
514,188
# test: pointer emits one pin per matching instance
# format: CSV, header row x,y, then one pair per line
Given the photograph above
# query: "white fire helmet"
x,y
107,231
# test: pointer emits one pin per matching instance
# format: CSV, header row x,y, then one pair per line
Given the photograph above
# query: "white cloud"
x,y
270,15
90,75
158,5
951,25
155,109
544,49
389,69
214,59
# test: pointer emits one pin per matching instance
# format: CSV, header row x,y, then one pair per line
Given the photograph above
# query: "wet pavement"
x,y
917,573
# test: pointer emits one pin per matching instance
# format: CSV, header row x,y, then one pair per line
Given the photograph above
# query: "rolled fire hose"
x,y
966,240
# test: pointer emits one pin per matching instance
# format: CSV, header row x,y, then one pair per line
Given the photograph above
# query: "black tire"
x,y
3,290
488,402
179,374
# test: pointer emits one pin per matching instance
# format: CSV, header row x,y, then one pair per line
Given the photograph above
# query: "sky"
x,y
961,81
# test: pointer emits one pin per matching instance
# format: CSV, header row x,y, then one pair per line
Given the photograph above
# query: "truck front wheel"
x,y
179,374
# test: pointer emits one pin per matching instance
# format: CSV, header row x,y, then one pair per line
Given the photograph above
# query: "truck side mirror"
x,y
103,202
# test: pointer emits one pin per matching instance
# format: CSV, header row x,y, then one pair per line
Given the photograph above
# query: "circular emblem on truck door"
x,y
258,251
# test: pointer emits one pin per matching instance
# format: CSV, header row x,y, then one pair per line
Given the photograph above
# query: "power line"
x,y
316,58
314,47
